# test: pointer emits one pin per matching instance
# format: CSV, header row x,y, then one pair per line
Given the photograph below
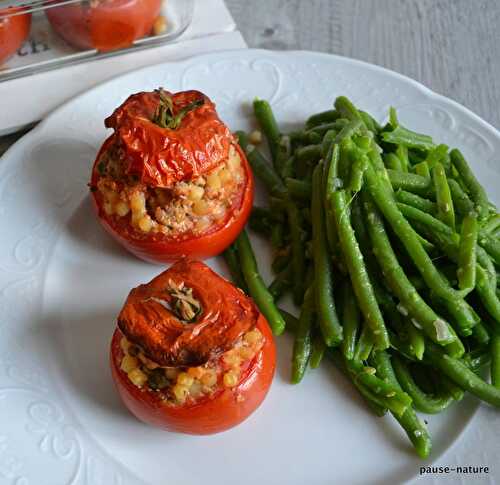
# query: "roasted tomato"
x,y
191,352
171,181
104,24
13,31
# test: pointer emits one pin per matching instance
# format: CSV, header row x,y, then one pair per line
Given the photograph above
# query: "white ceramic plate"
x,y
63,280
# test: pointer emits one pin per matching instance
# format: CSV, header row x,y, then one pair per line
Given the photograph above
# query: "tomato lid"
x,y
186,315
165,138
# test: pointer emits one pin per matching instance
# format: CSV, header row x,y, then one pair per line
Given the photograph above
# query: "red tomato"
x,y
214,412
13,32
104,24
161,159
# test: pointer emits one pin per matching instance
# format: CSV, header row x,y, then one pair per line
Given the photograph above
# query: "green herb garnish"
x,y
164,115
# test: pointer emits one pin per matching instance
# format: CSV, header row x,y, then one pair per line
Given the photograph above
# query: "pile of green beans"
x,y
390,247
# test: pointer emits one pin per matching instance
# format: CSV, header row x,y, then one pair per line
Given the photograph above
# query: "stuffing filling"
x,y
187,384
187,207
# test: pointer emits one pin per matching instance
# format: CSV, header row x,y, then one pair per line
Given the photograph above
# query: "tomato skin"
x,y
211,414
13,32
162,249
112,24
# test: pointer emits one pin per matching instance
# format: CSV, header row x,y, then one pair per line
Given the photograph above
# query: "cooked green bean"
x,y
308,154
265,117
410,301
278,235
393,162
318,350
256,286
461,200
414,428
298,252
350,320
370,122
282,283
321,118
437,155
323,129
233,264
491,245
422,401
402,153
495,360
357,270
423,170
434,224
475,189
481,334
445,211
491,224
327,315
408,138
261,167
281,260
410,182
466,271
346,108
416,201
299,189
459,373
364,346
357,172
302,341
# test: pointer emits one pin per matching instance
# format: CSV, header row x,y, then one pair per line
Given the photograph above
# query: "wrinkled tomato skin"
x,y
161,249
109,25
13,32
211,414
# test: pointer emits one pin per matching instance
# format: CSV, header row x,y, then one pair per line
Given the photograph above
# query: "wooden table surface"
x,y
451,46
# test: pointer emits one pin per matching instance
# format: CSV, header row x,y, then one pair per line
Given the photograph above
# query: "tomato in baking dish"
x,y
191,352
104,24
171,181
13,31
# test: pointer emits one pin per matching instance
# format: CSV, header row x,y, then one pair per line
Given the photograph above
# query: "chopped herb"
x,y
164,115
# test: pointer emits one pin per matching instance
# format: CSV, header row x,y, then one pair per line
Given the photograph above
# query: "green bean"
x,y
264,114
318,350
491,245
260,225
459,312
393,397
233,264
302,341
488,295
327,315
426,403
455,391
461,200
326,144
323,129
308,154
281,260
410,300
480,334
459,373
357,270
475,189
414,200
298,253
291,321
370,122
281,284
417,215
485,261
348,130
277,235
393,117
304,137
466,271
265,213
364,345
357,172
288,168
402,153
393,162
350,320
299,189
476,359
261,167
408,138
490,226
331,169
410,182
321,118
445,212
423,170
256,286
346,108
414,428
495,360
436,155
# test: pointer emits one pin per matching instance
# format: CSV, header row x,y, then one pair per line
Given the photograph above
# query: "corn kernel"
x,y
128,363
180,392
201,207
160,25
246,353
122,208
233,161
196,193
184,379
138,202
231,359
213,181
255,137
209,379
253,337
230,379
224,176
145,224
108,208
196,389
137,377
124,344
196,372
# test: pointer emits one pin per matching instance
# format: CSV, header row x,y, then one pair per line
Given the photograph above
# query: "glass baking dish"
x,y
38,35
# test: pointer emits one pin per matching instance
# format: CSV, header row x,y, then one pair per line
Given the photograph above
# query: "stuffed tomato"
x,y
191,352
171,181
